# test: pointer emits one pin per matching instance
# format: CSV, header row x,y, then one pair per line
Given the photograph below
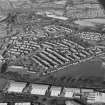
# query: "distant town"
x,y
52,52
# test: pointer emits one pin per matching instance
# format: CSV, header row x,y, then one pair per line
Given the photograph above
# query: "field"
x,y
90,74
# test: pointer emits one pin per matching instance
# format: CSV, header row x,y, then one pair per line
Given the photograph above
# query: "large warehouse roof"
x,y
39,89
16,87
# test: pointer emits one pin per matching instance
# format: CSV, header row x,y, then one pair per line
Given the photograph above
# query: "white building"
x,y
25,103
3,103
68,93
16,87
96,98
39,89
55,91
100,98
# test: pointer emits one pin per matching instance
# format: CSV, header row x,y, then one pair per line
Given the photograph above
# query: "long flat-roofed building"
x,y
16,87
24,103
87,90
39,89
75,90
3,103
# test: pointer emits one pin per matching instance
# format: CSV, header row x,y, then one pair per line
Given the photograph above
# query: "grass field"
x,y
89,74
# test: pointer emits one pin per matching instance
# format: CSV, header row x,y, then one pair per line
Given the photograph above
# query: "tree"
x,y
4,67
